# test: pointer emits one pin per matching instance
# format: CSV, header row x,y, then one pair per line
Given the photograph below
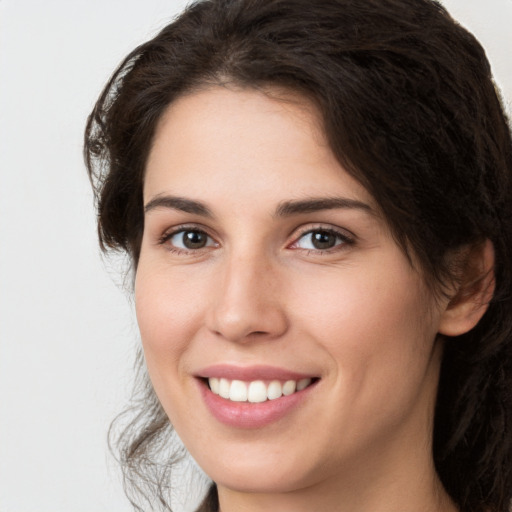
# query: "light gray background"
x,y
67,333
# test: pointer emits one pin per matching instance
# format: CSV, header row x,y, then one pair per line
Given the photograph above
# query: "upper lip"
x,y
251,373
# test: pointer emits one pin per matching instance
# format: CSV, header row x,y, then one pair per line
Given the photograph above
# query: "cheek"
x,y
166,304
360,306
168,308
380,342
377,327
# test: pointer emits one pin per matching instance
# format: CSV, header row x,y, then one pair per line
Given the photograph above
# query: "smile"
x,y
253,397
255,391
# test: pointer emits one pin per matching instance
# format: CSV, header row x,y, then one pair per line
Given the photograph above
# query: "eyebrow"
x,y
178,203
311,205
284,209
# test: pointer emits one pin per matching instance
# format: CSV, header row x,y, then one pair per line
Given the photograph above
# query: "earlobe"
x,y
471,300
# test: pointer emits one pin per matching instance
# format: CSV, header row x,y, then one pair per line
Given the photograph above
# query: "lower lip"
x,y
252,415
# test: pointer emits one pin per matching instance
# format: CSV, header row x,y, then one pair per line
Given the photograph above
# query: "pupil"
x,y
323,240
194,240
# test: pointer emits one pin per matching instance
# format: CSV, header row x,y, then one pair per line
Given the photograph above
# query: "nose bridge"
x,y
248,303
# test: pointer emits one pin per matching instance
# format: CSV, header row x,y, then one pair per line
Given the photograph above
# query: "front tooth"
x,y
289,387
257,392
303,383
214,384
238,391
275,390
224,388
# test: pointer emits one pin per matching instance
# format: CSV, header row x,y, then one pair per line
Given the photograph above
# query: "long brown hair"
x,y
410,110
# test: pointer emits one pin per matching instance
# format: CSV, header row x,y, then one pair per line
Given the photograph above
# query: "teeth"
x,y
289,387
303,383
214,385
238,391
224,386
275,390
256,391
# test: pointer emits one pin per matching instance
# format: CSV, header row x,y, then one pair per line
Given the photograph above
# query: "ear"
x,y
474,292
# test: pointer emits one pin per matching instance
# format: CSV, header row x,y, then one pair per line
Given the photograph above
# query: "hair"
x,y
410,110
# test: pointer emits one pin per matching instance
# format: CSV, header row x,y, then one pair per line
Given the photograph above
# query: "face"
x,y
288,338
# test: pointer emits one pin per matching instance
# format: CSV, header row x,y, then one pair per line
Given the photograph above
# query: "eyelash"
x,y
342,238
166,237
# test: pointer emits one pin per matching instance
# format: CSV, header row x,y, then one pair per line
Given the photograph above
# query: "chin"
x,y
259,480
256,470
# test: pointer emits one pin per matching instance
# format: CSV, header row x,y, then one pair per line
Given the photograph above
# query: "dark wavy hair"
x,y
410,109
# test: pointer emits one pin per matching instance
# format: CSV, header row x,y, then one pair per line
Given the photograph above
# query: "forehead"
x,y
259,144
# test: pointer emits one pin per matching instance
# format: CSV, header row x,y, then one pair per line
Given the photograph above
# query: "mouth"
x,y
256,391
253,397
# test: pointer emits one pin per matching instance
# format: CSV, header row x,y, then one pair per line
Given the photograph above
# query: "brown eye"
x,y
322,240
190,239
194,239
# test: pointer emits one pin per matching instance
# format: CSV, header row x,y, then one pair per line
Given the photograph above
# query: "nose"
x,y
248,304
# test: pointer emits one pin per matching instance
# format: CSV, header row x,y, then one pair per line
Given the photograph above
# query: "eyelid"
x,y
346,236
171,232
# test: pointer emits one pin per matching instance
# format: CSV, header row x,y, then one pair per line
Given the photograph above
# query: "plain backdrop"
x,y
67,330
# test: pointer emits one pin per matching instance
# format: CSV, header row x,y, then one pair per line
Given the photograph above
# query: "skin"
x,y
357,315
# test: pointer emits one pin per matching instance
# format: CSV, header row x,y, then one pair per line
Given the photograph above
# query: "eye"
x,y
188,240
321,240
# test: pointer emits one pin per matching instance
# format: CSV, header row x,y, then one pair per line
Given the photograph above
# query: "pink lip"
x,y
249,415
250,373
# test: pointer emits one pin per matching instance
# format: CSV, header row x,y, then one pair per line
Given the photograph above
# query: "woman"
x,y
316,198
